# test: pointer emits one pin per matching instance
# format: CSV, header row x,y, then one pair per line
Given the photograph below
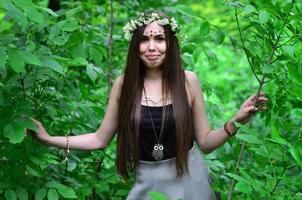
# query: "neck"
x,y
153,74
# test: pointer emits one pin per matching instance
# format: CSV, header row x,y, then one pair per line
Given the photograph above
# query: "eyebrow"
x,y
155,35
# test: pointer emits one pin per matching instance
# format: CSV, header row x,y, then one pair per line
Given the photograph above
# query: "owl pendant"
x,y
158,152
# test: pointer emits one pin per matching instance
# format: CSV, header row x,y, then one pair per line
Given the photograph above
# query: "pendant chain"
x,y
158,149
161,128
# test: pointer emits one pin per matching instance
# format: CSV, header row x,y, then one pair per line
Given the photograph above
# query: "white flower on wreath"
x,y
143,19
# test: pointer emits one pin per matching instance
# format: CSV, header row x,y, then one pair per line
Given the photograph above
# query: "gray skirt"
x,y
161,177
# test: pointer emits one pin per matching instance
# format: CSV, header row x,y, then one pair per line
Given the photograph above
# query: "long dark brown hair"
x,y
173,82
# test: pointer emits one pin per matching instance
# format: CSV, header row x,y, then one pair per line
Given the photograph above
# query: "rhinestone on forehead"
x,y
151,33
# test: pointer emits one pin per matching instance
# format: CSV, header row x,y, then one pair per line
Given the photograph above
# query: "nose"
x,y
151,45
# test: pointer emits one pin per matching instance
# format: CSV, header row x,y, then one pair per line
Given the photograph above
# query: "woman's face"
x,y
153,45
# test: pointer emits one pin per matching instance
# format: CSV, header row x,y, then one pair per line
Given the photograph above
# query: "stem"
x,y
278,180
22,87
243,45
110,45
244,142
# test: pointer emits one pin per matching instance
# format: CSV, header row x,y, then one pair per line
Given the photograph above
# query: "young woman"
x,y
157,110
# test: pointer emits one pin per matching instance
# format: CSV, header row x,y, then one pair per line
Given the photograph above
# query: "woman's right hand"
x,y
41,135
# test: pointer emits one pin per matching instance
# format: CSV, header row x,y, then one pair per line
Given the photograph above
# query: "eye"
x,y
161,39
144,39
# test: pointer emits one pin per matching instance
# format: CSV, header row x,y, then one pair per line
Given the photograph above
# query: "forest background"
x,y
58,60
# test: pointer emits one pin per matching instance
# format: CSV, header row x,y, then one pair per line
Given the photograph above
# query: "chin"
x,y
154,65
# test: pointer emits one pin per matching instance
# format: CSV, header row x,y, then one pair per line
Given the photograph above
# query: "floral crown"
x,y
145,19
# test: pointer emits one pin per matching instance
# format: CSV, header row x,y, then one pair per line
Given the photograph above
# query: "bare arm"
x,y
90,141
208,139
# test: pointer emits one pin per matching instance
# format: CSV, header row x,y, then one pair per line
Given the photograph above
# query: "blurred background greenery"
x,y
58,60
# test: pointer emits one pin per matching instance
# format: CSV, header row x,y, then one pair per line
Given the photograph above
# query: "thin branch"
x,y
110,45
243,44
278,180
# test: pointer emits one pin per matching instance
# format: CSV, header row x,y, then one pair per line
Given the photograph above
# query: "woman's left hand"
x,y
247,109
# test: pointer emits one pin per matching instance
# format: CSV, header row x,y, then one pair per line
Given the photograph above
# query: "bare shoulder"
x,y
117,87
191,77
119,80
192,85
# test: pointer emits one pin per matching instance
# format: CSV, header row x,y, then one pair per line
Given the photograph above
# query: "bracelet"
x,y
227,130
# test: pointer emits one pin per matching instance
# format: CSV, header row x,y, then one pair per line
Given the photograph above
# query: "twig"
x,y
278,180
243,45
110,45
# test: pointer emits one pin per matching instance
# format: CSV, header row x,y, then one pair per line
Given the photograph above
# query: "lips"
x,y
152,57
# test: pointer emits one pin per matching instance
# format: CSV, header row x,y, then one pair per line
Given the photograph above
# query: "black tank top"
x,y
146,133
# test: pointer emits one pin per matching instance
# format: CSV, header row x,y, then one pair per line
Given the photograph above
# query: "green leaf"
x,y
66,192
48,11
235,4
34,172
276,136
10,194
18,15
22,193
3,57
243,187
34,15
249,138
53,184
237,177
41,194
187,58
92,74
264,17
249,9
295,154
53,32
52,64
31,58
16,60
211,55
204,29
295,74
77,62
289,50
52,194
96,55
186,10
233,41
121,192
196,54
15,130
71,12
70,25
219,37
22,3
297,91
15,133
157,196
268,68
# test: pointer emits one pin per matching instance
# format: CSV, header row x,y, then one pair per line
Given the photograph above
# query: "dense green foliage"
x,y
54,67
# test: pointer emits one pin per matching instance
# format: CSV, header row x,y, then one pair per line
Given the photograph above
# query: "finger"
x,y
35,121
28,132
262,108
262,99
252,97
251,109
